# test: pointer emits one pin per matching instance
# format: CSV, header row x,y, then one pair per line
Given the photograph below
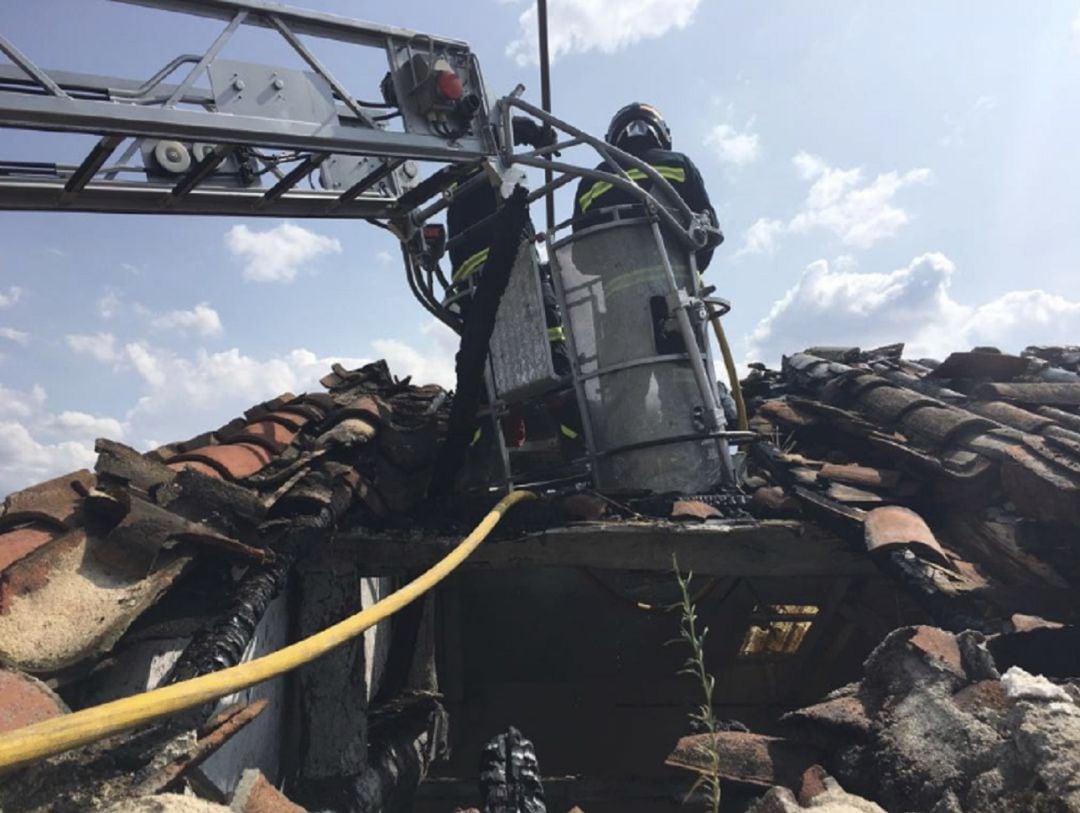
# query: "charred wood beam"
x,y
405,739
221,644
333,690
113,770
765,548
211,737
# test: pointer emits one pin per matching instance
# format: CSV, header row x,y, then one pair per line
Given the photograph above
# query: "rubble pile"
x,y
937,724
185,547
959,480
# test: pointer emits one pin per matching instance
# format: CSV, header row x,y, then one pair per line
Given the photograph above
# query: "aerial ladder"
x,y
206,134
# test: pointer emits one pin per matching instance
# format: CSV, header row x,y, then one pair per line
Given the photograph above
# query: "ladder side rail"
x,y
301,21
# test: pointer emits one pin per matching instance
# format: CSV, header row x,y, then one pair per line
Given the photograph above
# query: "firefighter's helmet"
x,y
639,120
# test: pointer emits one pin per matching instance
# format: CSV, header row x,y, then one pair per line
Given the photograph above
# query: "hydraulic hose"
x,y
729,365
60,734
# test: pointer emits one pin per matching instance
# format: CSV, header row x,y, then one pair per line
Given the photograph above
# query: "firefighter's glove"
x,y
527,131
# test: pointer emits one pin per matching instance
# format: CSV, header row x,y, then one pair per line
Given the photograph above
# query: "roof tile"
x,y
196,465
233,460
25,700
268,433
54,501
18,542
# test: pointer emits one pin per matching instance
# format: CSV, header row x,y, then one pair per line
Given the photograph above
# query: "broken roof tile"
x,y
851,495
348,432
981,367
857,475
1013,416
845,714
62,603
254,794
291,419
55,501
940,425
786,413
25,700
233,460
693,510
196,465
893,526
256,412
743,757
271,434
886,405
1043,394
16,543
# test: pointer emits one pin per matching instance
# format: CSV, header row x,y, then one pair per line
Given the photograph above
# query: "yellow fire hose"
x,y
60,734
729,365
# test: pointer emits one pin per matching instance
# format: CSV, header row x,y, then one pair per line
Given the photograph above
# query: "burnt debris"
x,y
955,483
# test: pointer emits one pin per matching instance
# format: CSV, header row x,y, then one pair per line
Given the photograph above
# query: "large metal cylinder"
x,y
639,388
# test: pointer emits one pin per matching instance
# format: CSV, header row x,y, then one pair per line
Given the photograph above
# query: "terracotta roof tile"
x,y
271,434
196,465
233,460
291,419
55,501
18,542
25,700
256,412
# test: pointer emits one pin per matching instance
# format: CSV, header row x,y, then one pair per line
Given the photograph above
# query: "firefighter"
x,y
465,218
468,219
640,130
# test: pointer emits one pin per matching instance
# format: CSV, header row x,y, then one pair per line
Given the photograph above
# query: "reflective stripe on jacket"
x,y
669,173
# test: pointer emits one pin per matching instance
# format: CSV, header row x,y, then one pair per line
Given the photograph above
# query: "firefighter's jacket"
x,y
471,216
466,217
593,196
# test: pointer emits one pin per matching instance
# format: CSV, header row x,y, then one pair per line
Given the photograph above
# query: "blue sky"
x,y
883,172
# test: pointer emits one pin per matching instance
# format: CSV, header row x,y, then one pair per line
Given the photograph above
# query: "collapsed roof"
x,y
958,480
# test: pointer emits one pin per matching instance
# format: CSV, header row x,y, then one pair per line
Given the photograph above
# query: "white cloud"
x,y
13,335
278,254
99,346
36,445
842,201
841,306
28,461
14,404
732,146
108,305
432,365
201,320
83,425
10,296
857,211
384,257
607,26
761,237
183,395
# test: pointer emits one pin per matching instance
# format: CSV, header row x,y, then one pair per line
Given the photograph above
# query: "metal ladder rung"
x,y
293,177
364,184
86,171
200,172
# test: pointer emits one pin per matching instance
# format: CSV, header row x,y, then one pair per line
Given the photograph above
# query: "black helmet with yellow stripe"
x,y
636,121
